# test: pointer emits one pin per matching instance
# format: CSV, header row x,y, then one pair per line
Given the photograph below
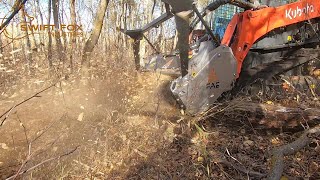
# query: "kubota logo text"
x,y
297,12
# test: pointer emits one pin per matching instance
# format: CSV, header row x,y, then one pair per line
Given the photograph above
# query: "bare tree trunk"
x,y
49,36
1,48
33,41
124,22
105,35
55,8
27,43
162,38
175,41
94,36
12,45
64,36
73,37
118,25
41,21
80,40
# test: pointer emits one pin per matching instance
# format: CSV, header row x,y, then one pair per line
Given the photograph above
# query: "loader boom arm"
x,y
247,27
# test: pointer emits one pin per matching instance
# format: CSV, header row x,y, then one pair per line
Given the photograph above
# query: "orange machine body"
x,y
247,27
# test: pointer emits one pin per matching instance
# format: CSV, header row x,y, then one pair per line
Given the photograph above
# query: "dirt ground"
x,y
114,122
122,126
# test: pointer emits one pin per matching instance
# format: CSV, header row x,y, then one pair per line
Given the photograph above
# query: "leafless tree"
x,y
94,36
55,11
49,36
73,38
27,43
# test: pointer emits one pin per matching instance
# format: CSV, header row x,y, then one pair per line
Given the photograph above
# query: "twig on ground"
x,y
6,114
31,154
14,145
278,154
87,167
41,163
24,128
243,169
48,127
158,102
64,100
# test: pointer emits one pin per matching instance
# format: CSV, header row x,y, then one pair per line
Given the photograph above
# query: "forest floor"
x,y
117,125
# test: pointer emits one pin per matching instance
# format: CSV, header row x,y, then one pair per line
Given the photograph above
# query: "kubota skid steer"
x,y
282,38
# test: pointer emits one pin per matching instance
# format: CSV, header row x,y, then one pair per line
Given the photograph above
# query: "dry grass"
x,y
131,129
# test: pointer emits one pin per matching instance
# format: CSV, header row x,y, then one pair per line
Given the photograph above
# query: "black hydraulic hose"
x,y
211,7
217,43
240,3
196,20
215,4
152,46
243,4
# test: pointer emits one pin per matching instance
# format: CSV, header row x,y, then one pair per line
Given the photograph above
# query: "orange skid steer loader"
x,y
277,38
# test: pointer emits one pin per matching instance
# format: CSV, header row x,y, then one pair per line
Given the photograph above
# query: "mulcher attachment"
x,y
211,72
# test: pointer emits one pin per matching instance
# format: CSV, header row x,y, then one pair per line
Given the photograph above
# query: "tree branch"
x,y
43,162
16,8
278,154
6,114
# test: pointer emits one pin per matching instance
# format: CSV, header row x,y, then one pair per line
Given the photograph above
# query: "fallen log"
x,y
270,115
278,115
278,154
